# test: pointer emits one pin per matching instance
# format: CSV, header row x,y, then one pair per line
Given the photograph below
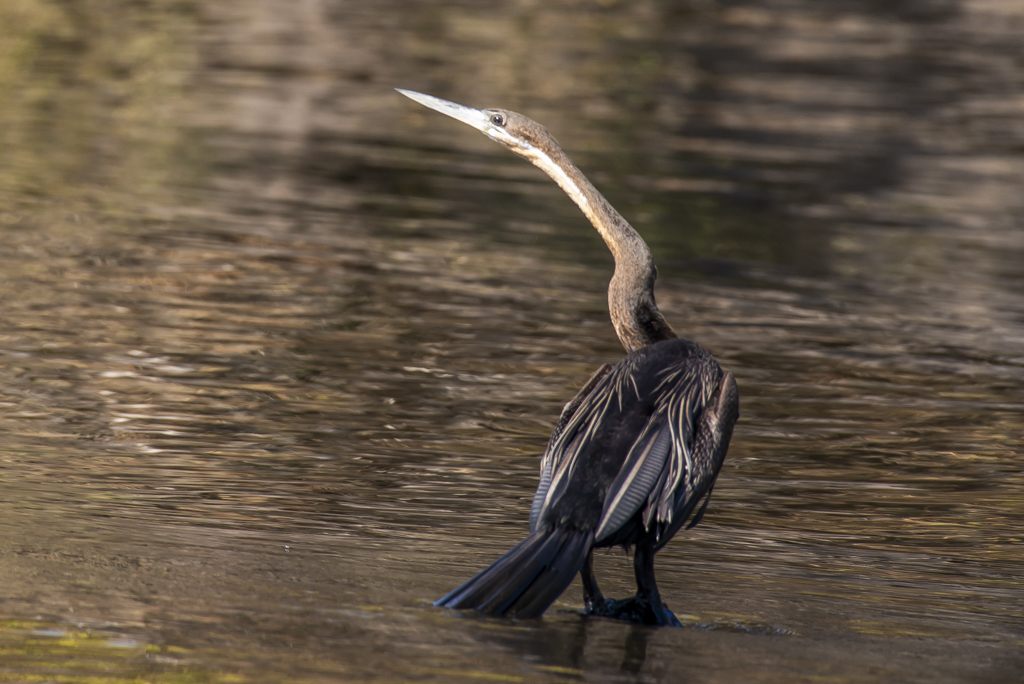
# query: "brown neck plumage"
x,y
634,313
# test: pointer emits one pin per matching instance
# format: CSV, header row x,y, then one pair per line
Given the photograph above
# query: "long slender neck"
x,y
634,313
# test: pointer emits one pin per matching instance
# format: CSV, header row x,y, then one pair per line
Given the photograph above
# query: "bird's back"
x,y
628,455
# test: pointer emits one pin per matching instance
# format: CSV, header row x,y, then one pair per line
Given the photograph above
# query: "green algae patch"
x,y
32,651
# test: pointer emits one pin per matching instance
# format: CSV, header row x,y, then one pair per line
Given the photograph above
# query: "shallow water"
x,y
280,349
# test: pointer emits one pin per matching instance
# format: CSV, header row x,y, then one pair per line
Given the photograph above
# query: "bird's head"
x,y
519,133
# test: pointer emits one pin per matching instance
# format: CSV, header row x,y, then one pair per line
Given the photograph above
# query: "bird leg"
x,y
593,599
647,594
646,607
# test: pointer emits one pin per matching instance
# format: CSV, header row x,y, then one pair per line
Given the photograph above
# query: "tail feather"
x,y
476,591
528,578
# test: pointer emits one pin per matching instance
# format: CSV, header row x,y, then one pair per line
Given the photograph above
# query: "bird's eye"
x,y
498,119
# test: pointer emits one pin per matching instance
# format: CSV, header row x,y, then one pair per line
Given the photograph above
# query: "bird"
x,y
635,454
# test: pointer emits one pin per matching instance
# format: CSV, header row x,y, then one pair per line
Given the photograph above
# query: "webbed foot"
x,y
636,609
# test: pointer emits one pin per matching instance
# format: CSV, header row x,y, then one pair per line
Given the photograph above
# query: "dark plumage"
x,y
634,457
635,454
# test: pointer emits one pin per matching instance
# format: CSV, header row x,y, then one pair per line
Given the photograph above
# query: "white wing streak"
x,y
636,480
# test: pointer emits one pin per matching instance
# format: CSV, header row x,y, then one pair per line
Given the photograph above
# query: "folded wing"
x,y
657,474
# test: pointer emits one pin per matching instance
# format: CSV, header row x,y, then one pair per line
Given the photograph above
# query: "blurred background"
x,y
279,348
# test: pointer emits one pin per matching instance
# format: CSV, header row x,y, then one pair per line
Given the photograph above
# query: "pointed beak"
x,y
473,117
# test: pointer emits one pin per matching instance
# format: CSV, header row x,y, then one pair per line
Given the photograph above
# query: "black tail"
x,y
527,579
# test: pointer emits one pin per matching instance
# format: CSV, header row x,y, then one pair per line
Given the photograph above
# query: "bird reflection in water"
x,y
574,646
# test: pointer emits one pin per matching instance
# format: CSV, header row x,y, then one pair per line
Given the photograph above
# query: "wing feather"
x,y
659,473
637,478
555,454
542,491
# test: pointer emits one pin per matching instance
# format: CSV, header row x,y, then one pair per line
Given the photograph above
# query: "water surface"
x,y
280,349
